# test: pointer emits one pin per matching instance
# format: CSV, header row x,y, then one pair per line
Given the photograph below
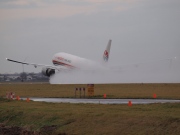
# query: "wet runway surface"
x,y
104,101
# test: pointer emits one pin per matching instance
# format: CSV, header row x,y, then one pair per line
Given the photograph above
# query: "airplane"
x,y
64,62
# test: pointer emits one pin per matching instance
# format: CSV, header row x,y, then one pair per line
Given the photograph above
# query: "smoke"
x,y
153,72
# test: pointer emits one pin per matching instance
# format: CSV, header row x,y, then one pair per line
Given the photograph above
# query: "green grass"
x,y
167,91
93,118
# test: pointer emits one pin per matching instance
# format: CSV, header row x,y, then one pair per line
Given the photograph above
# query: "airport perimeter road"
x,y
103,101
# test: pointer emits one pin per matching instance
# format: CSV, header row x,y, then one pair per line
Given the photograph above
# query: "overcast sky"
x,y
141,30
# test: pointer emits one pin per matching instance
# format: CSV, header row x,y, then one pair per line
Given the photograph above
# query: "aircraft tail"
x,y
107,51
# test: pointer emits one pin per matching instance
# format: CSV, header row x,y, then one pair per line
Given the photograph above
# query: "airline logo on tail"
x,y
106,55
107,51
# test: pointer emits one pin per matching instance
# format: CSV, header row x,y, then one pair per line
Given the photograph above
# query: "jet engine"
x,y
48,71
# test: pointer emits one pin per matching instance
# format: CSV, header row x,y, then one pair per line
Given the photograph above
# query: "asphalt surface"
x,y
103,101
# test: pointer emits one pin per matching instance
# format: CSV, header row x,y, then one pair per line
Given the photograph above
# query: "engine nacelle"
x,y
48,71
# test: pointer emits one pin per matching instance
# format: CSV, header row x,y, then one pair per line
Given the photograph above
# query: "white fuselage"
x,y
72,61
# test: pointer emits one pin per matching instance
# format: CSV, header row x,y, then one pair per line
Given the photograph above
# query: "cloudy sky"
x,y
141,30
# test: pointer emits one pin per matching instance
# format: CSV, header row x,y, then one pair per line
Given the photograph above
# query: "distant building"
x,y
1,77
28,78
13,77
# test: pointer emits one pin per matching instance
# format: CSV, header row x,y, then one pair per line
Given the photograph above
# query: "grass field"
x,y
93,119
166,91
82,119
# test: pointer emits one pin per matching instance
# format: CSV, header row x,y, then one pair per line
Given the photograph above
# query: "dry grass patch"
x,y
167,91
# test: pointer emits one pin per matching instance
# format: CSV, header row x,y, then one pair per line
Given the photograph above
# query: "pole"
x,y
80,92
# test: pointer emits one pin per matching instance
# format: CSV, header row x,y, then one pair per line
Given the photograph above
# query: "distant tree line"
x,y
23,77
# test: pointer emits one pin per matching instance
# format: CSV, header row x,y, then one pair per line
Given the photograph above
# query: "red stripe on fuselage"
x,y
62,64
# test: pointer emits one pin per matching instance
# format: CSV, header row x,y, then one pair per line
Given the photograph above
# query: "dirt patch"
x,y
47,130
15,130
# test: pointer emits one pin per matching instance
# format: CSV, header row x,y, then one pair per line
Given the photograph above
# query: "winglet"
x,y
107,51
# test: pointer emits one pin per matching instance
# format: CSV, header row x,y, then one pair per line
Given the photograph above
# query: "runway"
x,y
103,101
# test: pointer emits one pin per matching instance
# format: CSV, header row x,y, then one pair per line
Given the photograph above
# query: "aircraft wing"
x,y
36,65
